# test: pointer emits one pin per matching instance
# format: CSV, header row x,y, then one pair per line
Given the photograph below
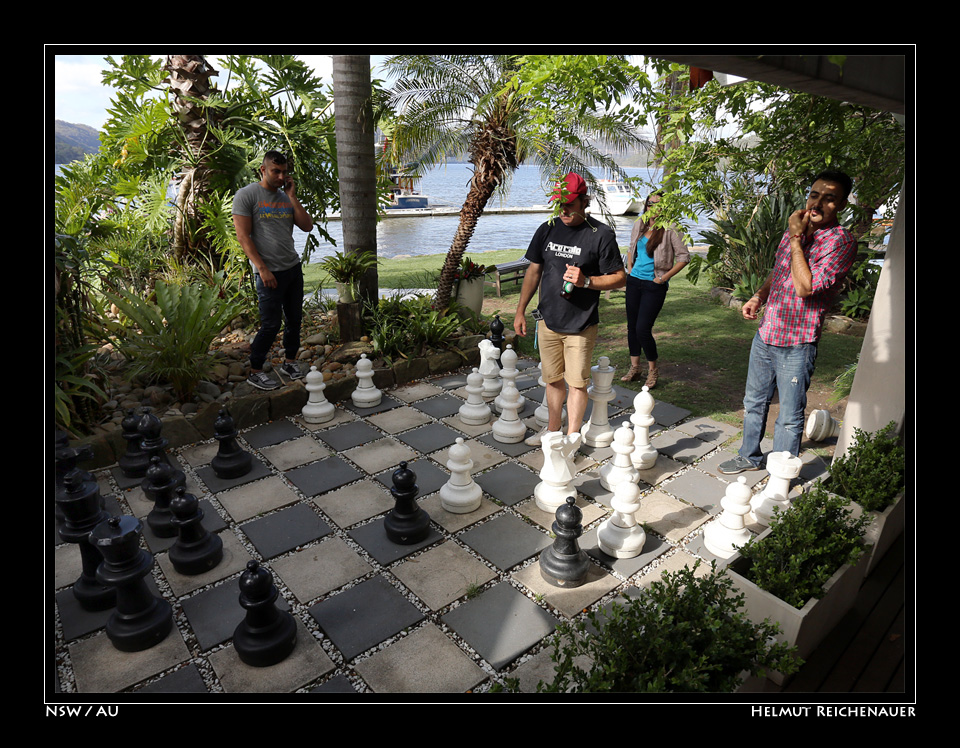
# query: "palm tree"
x,y
447,105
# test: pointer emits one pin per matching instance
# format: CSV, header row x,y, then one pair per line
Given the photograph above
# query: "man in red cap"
x,y
571,261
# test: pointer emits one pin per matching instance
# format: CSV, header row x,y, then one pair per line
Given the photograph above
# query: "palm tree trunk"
x,y
356,161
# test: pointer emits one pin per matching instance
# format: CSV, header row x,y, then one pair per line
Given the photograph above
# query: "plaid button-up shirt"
x,y
790,319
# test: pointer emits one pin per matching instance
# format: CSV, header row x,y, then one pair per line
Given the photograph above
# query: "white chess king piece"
x,y
489,368
621,536
644,455
460,494
318,409
508,360
366,395
620,469
508,428
475,411
598,432
783,468
556,475
728,532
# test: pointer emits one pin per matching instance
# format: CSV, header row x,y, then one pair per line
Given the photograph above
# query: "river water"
x,y
447,186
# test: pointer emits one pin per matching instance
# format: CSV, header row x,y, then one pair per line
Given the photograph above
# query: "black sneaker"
x,y
261,381
292,370
735,466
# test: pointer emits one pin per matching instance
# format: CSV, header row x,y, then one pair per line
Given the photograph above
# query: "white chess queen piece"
x,y
556,475
460,494
508,428
475,411
644,455
508,361
621,536
366,395
318,409
489,368
728,532
620,469
598,432
783,468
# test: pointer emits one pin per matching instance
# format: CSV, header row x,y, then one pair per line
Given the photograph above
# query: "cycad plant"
x,y
169,341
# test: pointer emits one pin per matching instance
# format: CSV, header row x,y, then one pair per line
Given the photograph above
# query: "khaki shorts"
x,y
566,356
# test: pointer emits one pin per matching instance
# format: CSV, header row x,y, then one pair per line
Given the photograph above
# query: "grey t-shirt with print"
x,y
271,214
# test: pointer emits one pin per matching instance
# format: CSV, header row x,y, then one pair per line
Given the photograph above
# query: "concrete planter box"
x,y
803,628
884,528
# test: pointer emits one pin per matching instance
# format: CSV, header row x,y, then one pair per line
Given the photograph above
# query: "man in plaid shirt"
x,y
813,258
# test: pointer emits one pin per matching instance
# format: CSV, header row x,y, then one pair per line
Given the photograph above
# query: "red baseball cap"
x,y
574,185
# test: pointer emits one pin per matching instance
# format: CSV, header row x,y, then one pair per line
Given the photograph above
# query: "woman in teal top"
x,y
656,254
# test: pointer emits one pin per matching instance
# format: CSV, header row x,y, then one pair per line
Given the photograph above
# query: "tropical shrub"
x,y
872,470
406,327
806,545
685,633
170,340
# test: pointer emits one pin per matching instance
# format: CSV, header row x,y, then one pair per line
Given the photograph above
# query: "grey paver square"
x,y
429,438
513,449
380,454
417,391
468,428
442,574
349,435
429,477
501,624
697,488
321,568
667,414
452,521
216,484
440,406
509,483
244,502
399,419
653,548
680,447
365,615
570,601
284,530
505,541
296,452
669,517
270,433
708,430
398,668
355,503
386,403
372,537
545,519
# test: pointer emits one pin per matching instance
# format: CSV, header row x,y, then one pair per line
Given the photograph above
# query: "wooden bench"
x,y
506,271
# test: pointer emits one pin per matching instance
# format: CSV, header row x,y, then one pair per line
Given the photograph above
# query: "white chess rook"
x,y
598,432
783,468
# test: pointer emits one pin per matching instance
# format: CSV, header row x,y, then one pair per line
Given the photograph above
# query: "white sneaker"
x,y
535,440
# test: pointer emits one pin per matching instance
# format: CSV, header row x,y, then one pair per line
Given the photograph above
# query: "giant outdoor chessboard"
x,y
460,606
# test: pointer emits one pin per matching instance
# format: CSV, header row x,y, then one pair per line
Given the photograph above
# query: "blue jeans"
x,y
281,304
788,371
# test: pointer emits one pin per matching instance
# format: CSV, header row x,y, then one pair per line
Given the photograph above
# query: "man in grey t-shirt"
x,y
264,215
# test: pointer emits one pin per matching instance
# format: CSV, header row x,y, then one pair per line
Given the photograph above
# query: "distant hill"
x,y
72,142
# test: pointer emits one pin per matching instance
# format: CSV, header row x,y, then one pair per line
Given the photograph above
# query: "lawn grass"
x,y
703,345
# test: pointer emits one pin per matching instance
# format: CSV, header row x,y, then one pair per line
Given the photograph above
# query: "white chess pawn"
x,y
621,536
366,395
620,469
644,455
475,411
460,494
556,475
728,532
783,468
598,432
489,354
318,409
508,428
508,360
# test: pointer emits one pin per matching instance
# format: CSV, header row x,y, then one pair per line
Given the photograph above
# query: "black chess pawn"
x,y
135,461
406,523
565,564
66,459
267,634
160,486
81,505
196,550
141,619
231,461
496,335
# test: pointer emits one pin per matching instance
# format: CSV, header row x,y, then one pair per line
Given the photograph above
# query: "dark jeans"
x,y
644,302
281,304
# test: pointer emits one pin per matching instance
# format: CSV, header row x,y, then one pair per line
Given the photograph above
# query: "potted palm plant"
x,y
346,270
469,277
804,570
871,475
